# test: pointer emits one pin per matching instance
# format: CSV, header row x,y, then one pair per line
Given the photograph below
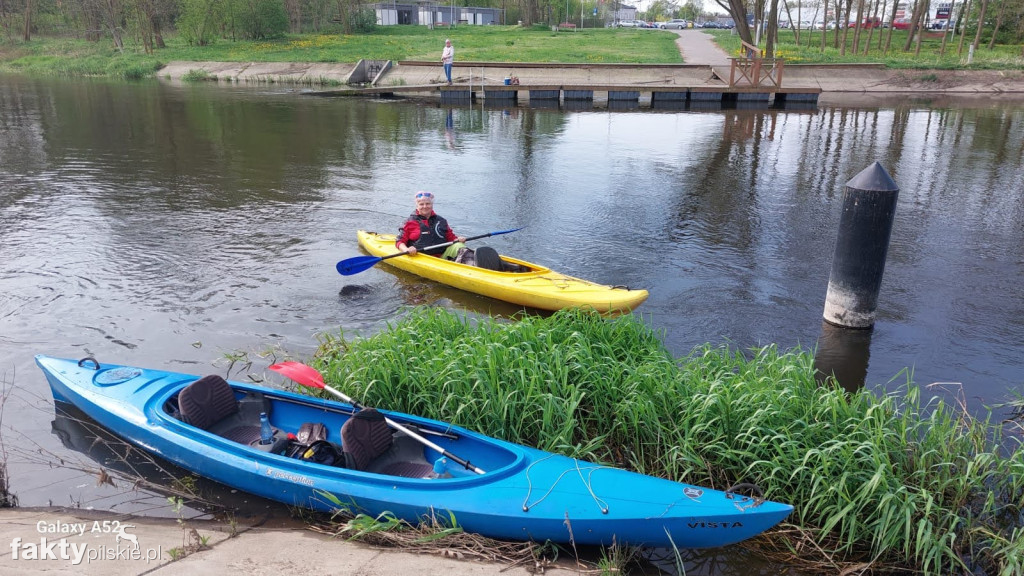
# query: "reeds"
x,y
889,480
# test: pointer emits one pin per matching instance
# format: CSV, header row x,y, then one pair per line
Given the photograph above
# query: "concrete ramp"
x,y
277,72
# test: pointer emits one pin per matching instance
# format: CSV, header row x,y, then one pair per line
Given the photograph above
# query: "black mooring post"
x,y
869,205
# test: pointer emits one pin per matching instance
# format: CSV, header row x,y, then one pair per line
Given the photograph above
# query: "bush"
x,y
364,21
262,19
199,21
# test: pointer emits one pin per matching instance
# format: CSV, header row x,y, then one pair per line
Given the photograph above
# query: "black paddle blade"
x,y
351,266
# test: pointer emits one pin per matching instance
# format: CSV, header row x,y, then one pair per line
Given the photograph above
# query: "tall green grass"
x,y
896,480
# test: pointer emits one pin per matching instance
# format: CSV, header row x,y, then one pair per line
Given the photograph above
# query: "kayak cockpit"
x,y
315,431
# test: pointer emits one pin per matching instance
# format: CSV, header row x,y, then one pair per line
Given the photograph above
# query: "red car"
x,y
901,23
869,22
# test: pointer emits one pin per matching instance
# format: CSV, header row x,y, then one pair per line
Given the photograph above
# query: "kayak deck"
x,y
537,287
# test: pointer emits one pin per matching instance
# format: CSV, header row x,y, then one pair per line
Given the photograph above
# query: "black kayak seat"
x,y
210,404
371,446
487,257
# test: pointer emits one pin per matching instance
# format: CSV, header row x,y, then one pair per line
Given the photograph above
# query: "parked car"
x,y
901,23
868,22
675,23
627,24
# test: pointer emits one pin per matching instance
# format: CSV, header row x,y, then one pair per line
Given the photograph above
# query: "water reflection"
x,y
843,354
135,482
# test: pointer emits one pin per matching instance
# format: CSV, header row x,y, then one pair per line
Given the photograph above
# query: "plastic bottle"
x,y
266,432
440,469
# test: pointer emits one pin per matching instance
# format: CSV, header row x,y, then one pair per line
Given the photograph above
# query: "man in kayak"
x,y
426,228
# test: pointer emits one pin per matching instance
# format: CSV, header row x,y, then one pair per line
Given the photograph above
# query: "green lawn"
x,y
472,44
74,57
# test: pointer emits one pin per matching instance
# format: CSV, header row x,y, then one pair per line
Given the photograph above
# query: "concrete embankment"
x,y
428,77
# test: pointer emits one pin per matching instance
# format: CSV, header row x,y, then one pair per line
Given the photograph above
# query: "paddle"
x,y
350,266
308,376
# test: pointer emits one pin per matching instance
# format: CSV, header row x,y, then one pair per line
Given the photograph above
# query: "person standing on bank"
x,y
425,228
447,57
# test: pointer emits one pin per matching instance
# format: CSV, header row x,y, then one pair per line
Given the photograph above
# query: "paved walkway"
x,y
698,47
61,542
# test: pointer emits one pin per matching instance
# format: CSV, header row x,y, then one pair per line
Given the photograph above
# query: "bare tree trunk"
x,y
158,33
860,24
881,18
789,14
824,22
874,21
773,29
916,15
921,27
845,24
999,22
294,10
112,17
738,11
964,11
888,36
28,21
530,11
981,22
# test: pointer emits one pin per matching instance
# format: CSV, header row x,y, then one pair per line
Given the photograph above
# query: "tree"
x,y
262,19
999,23
738,11
773,29
981,24
28,21
149,16
199,20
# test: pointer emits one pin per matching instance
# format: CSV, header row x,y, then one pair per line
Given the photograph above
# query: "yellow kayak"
x,y
537,287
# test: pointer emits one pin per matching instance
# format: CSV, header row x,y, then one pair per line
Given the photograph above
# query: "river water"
x,y
183,226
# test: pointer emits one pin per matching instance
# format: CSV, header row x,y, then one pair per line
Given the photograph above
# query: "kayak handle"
x,y
758,497
96,364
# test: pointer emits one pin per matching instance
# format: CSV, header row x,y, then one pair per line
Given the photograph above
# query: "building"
x,y
624,12
434,14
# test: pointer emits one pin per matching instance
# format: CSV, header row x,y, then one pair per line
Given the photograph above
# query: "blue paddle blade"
x,y
351,266
502,232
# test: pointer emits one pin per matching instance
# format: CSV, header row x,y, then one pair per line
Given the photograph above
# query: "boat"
x,y
422,468
534,285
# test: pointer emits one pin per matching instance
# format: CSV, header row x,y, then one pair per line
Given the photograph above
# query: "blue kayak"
x,y
318,452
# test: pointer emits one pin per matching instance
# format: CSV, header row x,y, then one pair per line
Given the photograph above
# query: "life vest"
x,y
433,231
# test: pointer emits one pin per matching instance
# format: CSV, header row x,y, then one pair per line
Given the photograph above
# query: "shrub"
x,y
261,19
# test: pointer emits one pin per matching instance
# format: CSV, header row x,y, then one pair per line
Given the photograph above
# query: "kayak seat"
x,y
487,257
370,446
210,404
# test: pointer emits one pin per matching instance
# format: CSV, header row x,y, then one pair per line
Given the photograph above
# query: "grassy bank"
x,y
75,57
894,482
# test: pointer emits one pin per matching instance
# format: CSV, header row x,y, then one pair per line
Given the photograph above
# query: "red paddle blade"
x,y
299,372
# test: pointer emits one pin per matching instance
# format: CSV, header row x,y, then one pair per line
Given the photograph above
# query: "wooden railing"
x,y
754,70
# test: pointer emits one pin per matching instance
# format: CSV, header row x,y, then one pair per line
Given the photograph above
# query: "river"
x,y
193,226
